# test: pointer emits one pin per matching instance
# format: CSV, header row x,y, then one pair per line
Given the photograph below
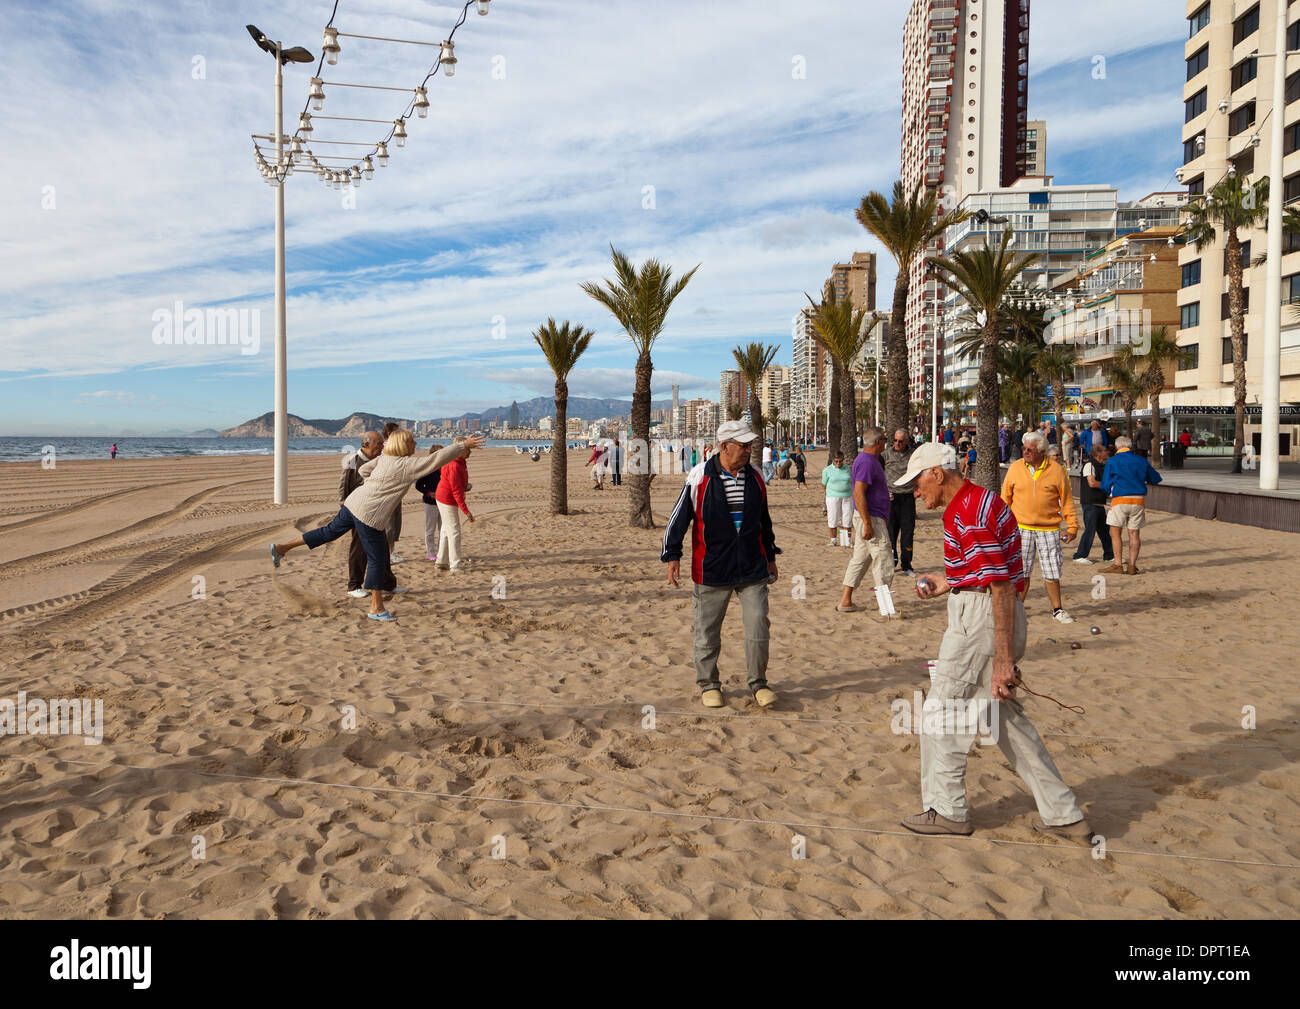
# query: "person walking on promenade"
x,y
733,549
1017,443
902,507
427,486
1142,439
367,509
1124,481
838,482
372,443
1092,502
1068,446
1004,443
985,636
870,525
450,496
616,464
1038,493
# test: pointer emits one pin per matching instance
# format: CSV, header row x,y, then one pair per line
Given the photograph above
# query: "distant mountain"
x,y
352,426
579,406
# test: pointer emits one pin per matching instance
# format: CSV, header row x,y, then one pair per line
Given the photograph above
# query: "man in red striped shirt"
x,y
976,665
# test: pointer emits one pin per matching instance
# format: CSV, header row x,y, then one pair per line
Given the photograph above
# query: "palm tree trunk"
x,y
638,482
1233,252
559,454
848,414
987,473
833,417
1058,394
898,398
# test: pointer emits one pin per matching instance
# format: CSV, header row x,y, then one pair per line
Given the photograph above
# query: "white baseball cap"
x,y
927,456
735,430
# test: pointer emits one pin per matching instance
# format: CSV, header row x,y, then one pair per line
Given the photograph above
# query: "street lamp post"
x,y
295,55
1272,371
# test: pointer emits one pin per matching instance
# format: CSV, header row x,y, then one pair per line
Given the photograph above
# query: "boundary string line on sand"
x,y
836,721
670,813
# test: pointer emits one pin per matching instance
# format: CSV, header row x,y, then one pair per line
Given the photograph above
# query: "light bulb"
x,y
482,6
399,132
356,177
448,58
304,123
422,103
368,167
382,157
331,46
317,94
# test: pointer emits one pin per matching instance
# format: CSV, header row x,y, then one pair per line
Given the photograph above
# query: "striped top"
x,y
981,540
735,494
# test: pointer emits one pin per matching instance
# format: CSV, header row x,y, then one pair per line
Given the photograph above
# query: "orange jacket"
x,y
1040,503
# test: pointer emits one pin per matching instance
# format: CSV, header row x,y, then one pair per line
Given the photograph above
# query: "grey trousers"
x,y
709,604
432,528
964,672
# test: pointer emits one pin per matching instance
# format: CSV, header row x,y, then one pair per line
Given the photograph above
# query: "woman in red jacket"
x,y
450,496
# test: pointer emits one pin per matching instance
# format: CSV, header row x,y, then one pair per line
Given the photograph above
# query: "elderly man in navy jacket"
x,y
732,550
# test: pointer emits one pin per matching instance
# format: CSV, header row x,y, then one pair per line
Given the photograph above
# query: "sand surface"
x,y
326,766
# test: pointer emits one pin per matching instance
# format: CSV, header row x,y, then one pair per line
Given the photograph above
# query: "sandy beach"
x,y
326,766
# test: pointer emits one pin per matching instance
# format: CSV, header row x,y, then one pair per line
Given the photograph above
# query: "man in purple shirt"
x,y
870,523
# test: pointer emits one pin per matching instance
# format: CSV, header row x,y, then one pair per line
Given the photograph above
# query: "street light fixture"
x,y
448,58
331,46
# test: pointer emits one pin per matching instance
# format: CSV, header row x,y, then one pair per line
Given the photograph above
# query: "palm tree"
x,y
734,411
953,401
1124,373
905,225
1162,354
562,345
982,277
1234,204
1055,365
751,361
640,303
1017,371
843,332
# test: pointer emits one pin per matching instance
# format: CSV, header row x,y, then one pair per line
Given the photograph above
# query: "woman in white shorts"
x,y
838,482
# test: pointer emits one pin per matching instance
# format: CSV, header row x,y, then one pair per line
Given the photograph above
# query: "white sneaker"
x,y
395,559
1062,617
1082,560
908,573
358,593
399,589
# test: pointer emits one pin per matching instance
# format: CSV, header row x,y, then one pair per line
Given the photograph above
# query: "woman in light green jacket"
x,y
838,481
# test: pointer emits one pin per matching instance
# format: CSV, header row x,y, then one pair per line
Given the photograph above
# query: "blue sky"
x,y
133,187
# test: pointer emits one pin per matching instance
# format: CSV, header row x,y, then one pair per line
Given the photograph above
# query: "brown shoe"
x,y
1132,571
931,822
1078,830
1114,569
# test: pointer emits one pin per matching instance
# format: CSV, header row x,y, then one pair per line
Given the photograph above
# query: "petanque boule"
x,y
1095,629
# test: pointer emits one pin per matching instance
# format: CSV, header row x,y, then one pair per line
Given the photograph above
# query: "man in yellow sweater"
x,y
1038,492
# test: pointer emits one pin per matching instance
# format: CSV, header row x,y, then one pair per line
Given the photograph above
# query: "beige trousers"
x,y
964,671
873,553
449,536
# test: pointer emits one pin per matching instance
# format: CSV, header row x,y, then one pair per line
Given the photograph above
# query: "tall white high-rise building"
x,y
965,112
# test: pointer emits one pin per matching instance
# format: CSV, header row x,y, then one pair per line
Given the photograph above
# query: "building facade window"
x,y
1224,307
1244,72
1189,150
1242,119
1190,358
1198,21
1291,138
1293,85
1198,61
1197,186
1227,348
1194,106
1291,188
1291,289
1192,273
1190,315
1246,25
1245,256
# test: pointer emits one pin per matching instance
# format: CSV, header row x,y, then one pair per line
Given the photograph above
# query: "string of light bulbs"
x,y
300,153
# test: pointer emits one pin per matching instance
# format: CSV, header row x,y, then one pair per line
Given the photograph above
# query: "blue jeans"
x,y
1094,524
373,542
